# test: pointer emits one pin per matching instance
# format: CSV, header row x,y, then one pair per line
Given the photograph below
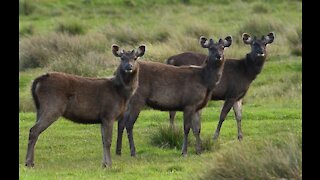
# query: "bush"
x,y
271,160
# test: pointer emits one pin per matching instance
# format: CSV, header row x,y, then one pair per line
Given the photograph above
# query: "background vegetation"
x,y
76,37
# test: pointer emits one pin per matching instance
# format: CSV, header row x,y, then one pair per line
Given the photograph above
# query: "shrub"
x,y
271,160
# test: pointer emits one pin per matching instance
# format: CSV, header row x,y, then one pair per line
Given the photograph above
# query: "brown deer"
x,y
85,100
169,88
236,78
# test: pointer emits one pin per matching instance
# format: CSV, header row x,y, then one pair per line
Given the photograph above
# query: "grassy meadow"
x,y
76,37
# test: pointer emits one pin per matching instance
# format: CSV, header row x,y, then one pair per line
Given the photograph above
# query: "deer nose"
x,y
218,57
260,53
128,68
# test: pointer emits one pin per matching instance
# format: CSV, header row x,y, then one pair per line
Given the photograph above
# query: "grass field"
x,y
76,37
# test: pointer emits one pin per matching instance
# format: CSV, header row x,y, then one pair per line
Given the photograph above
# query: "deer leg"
x,y
237,108
121,126
129,127
44,120
196,127
106,133
225,110
172,114
187,123
130,118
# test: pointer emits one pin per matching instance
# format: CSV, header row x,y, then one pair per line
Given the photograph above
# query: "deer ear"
x,y
269,38
203,42
140,51
227,41
246,38
115,50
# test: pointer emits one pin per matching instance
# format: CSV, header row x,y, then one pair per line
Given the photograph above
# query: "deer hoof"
x,y
30,165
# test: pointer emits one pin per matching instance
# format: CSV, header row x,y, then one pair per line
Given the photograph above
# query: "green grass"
x,y
72,150
76,37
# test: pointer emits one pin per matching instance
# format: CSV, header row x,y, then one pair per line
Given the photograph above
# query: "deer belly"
x,y
82,112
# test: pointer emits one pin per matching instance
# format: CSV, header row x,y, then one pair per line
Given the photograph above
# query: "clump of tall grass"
x,y
71,27
26,7
259,25
132,34
91,64
34,52
168,136
259,8
25,101
270,160
295,41
197,29
38,50
26,30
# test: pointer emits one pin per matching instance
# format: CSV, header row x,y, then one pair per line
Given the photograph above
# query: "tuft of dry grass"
x,y
41,51
280,159
260,25
295,41
71,28
259,8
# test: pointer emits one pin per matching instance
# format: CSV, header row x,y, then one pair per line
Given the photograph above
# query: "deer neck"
x,y
212,72
254,65
127,83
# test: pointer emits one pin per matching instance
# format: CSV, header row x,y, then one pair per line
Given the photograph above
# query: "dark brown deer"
x,y
85,100
169,88
236,77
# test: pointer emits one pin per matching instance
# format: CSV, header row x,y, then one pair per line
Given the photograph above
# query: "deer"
x,y
169,88
85,100
236,78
